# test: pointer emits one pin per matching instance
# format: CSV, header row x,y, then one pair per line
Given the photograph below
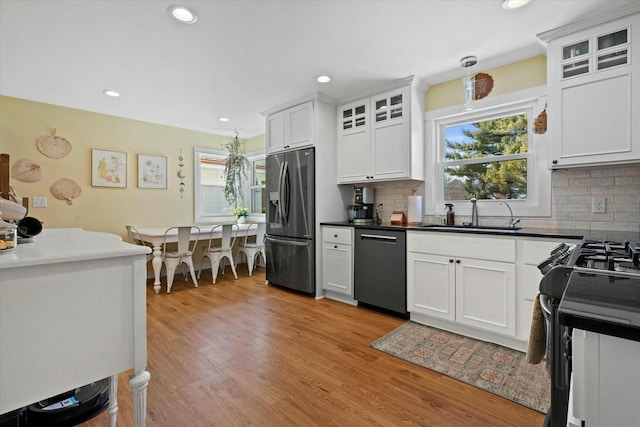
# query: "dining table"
x,y
156,237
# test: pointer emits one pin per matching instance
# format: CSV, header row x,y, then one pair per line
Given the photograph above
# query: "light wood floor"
x,y
242,353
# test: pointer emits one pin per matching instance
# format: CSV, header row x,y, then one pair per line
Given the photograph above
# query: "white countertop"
x,y
57,245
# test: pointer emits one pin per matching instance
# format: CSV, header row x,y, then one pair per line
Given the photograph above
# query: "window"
x,y
490,153
258,184
486,159
210,203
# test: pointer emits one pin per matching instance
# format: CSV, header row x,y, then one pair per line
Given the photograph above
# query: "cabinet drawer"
x,y
535,251
340,235
454,244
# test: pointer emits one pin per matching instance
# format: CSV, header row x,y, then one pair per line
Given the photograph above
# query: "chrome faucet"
x,y
512,222
474,212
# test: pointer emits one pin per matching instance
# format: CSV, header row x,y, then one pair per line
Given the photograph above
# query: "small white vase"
x,y
242,220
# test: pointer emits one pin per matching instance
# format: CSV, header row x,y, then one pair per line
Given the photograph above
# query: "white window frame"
x,y
199,217
252,157
538,202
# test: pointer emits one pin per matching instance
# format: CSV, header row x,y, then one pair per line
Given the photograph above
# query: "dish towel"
x,y
537,342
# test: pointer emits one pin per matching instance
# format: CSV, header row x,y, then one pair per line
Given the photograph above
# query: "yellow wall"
x,y
104,209
519,75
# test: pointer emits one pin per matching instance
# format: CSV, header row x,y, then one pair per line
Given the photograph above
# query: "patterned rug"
x,y
491,367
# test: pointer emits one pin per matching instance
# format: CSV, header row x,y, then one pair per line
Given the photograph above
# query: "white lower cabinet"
x,y
486,295
431,285
447,279
337,261
482,286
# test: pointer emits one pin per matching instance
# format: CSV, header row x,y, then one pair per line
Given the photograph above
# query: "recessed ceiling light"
x,y
323,79
111,93
182,14
223,119
513,4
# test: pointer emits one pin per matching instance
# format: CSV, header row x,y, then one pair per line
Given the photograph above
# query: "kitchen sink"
x,y
470,228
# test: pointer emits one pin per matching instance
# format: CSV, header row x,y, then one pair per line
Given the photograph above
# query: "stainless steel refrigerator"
x,y
290,241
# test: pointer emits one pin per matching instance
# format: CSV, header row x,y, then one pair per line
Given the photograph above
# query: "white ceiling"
x,y
243,57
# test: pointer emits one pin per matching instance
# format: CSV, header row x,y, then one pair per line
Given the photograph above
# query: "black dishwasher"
x,y
380,270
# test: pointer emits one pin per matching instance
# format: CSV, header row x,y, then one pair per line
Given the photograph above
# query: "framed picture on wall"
x,y
152,171
108,169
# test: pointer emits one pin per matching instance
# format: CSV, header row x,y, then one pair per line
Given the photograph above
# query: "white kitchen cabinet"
x,y
290,128
469,280
605,381
337,263
530,252
431,287
594,91
486,294
380,137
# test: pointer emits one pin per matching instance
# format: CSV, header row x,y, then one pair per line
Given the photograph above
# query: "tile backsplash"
x,y
573,191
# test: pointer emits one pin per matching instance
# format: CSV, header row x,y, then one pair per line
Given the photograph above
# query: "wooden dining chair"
x,y
134,238
218,253
184,253
253,249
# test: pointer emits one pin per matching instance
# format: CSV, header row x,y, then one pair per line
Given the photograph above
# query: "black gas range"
x,y
603,291
595,286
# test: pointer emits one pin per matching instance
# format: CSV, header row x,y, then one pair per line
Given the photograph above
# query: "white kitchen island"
x,y
72,311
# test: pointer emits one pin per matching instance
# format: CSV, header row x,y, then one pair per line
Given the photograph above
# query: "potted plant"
x,y
236,166
241,214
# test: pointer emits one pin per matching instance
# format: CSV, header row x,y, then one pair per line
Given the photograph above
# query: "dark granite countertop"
x,y
527,232
590,302
602,303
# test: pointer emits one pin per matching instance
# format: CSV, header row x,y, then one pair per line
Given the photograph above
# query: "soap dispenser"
x,y
450,214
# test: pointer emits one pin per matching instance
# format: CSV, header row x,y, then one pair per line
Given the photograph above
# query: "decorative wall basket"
x,y
26,170
53,146
540,123
483,85
66,189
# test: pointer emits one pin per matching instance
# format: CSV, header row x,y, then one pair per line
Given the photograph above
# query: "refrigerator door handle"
x,y
286,187
280,195
286,242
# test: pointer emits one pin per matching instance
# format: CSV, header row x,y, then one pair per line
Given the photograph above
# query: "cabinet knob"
x,y
457,261
335,235
335,247
555,162
450,260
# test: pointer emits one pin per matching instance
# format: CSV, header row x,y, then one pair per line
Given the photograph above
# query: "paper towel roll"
x,y
414,214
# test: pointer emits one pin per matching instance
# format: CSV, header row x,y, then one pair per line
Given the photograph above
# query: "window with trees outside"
x,y
486,159
490,154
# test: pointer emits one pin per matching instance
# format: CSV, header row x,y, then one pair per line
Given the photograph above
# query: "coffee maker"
x,y
362,209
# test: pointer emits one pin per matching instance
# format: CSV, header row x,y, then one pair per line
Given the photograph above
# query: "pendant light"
x,y
469,82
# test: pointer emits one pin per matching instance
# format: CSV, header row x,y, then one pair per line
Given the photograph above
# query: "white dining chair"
x,y
134,238
218,253
184,253
253,249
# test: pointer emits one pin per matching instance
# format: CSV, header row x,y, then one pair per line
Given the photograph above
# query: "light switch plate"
x,y
39,202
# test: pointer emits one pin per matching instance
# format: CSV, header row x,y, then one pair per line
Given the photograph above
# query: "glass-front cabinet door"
x,y
354,117
597,53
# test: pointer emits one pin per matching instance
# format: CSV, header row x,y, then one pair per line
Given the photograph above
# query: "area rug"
x,y
491,367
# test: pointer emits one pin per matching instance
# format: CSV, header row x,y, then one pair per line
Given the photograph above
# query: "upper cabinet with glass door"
x,y
380,138
594,90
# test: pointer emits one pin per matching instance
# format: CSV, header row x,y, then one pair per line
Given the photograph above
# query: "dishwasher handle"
x,y
378,237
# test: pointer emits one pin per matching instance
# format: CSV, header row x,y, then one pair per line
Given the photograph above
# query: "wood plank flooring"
x,y
242,353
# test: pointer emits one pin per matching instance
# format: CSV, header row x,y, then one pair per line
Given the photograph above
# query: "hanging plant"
x,y
236,166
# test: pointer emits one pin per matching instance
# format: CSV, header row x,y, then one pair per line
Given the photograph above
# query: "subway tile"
x,y
628,180
627,198
627,217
